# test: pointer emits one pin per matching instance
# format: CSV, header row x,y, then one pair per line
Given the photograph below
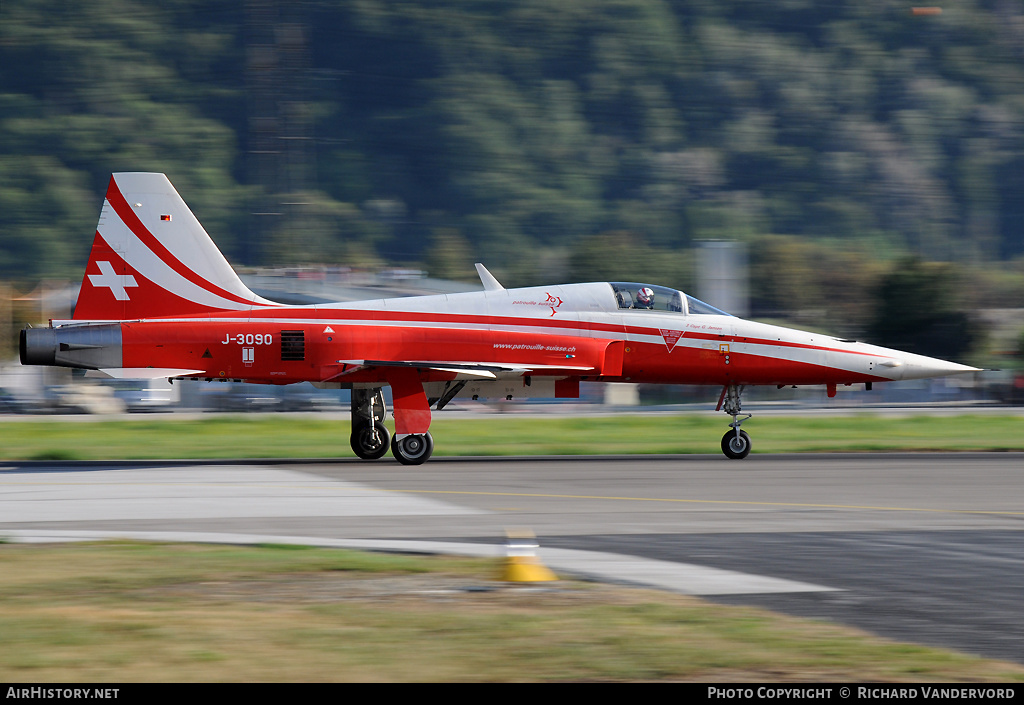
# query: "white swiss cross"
x,y
116,282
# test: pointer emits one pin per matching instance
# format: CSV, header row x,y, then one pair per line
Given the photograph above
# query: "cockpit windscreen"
x,y
696,306
634,295
647,296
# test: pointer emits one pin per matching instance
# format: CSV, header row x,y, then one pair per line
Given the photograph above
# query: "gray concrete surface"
x,y
921,547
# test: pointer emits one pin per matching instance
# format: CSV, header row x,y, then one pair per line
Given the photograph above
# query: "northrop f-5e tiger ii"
x,y
158,299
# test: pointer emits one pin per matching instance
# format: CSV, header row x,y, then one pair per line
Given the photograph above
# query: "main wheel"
x,y
413,450
370,441
736,445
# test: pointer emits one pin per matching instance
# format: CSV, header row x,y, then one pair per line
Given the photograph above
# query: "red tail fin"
x,y
152,258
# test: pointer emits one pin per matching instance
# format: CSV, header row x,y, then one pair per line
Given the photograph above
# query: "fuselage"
x,y
580,330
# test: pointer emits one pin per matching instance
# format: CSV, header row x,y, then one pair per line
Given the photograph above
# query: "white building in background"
x,y
723,278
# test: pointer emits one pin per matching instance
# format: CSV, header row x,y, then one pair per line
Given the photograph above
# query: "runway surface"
x,y
924,548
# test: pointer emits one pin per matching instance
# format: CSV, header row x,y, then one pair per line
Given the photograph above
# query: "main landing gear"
x,y
371,439
413,449
735,443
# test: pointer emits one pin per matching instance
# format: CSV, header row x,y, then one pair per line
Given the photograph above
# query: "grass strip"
x,y
285,436
141,612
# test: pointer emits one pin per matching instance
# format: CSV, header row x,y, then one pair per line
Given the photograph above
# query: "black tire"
x,y
370,441
412,450
736,446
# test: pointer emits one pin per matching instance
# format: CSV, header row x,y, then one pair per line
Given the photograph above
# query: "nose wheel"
x,y
735,443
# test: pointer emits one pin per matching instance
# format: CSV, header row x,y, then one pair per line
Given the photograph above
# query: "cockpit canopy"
x,y
648,297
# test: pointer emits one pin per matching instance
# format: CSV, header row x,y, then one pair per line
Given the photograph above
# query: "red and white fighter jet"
x,y
160,300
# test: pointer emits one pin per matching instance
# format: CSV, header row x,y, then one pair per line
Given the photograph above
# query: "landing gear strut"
x,y
370,437
735,443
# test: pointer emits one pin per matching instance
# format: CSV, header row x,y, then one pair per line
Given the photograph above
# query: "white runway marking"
x,y
685,578
198,492
217,492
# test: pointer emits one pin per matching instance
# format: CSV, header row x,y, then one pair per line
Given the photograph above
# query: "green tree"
x,y
450,256
917,310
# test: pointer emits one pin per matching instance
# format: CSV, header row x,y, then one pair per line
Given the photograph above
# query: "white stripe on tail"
x,y
152,258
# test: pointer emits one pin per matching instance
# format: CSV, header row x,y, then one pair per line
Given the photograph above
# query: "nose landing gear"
x,y
735,443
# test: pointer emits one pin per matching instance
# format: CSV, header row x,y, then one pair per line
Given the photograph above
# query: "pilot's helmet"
x,y
645,297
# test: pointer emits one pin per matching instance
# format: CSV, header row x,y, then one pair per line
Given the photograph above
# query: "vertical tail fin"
x,y
151,258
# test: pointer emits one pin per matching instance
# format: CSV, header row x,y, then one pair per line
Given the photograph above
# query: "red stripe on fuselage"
x,y
414,317
327,315
652,363
217,348
215,345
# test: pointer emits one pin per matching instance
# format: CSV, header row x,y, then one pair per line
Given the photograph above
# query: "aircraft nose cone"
x,y
919,367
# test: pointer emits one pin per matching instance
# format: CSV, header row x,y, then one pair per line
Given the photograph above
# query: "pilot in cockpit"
x,y
645,298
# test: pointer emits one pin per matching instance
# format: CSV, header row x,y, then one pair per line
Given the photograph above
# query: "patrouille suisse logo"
x,y
671,337
554,302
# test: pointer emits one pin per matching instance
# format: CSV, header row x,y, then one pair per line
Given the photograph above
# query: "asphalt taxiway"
x,y
919,547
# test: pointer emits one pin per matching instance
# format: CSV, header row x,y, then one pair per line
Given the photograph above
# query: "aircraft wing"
x,y
462,370
141,372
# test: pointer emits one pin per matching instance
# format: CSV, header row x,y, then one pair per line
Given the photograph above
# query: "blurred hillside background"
x,y
869,157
